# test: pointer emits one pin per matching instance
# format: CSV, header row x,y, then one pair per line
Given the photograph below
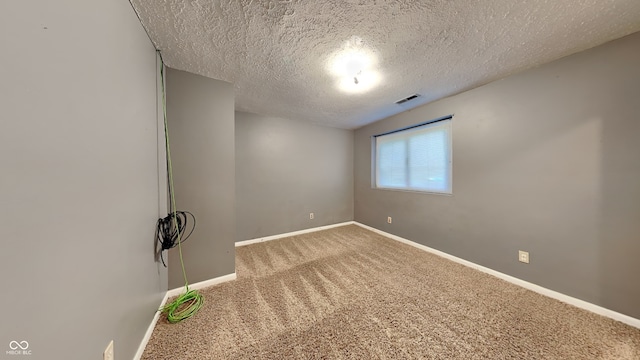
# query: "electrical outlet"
x,y
311,216
108,352
523,256
389,220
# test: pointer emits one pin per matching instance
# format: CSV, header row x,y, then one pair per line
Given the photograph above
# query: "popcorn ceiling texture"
x,y
276,52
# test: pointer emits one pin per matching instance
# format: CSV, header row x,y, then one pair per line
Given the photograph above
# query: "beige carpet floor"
x,y
348,293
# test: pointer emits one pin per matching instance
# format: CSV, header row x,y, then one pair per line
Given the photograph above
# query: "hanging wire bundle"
x,y
171,232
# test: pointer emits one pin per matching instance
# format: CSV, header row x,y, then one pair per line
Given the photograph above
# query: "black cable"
x,y
166,139
168,235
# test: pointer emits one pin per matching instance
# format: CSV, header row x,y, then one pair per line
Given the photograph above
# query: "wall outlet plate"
x,y
389,220
311,216
523,256
108,352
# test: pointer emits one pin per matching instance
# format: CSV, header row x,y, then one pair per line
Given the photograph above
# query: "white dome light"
x,y
354,67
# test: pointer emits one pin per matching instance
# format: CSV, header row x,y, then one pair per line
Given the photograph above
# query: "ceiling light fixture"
x,y
354,67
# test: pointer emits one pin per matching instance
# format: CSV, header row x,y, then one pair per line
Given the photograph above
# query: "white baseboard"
x,y
280,236
176,292
203,284
147,335
525,284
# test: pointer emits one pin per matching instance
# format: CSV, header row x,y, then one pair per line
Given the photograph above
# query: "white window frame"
x,y
409,130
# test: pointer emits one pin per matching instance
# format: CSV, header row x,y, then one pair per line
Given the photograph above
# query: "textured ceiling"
x,y
277,53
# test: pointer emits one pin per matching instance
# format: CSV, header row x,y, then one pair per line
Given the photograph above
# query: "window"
x,y
417,158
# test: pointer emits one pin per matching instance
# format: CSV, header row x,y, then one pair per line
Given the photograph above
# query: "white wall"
x,y
79,183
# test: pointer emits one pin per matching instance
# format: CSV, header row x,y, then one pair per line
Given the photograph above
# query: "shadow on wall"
x,y
619,210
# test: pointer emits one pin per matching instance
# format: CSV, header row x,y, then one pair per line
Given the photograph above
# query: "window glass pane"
x,y
415,159
428,161
392,164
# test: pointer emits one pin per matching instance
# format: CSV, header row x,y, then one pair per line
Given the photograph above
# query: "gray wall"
x,y
546,161
201,129
79,183
287,169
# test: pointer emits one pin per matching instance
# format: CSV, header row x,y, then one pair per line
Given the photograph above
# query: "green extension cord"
x,y
191,301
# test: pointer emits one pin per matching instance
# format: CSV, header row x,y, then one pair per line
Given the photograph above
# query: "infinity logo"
x,y
14,345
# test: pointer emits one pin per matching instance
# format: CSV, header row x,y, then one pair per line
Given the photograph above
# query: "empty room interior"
x,y
343,179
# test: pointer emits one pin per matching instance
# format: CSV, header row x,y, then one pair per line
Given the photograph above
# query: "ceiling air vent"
x,y
402,101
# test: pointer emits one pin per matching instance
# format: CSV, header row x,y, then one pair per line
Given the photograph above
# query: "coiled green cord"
x,y
184,306
191,301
